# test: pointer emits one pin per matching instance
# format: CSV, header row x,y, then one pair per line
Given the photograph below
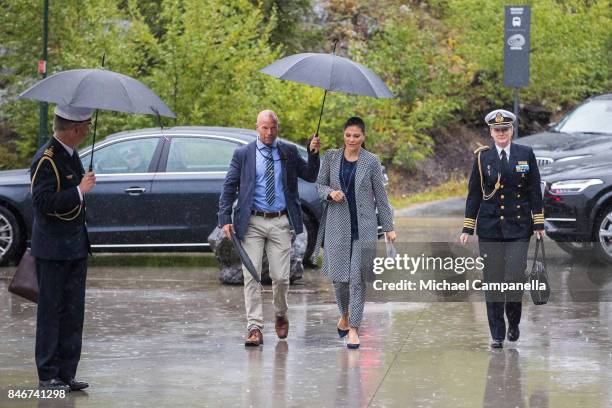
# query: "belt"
x,y
269,214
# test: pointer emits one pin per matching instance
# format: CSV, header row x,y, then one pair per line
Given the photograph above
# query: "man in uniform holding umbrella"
x,y
59,235
60,245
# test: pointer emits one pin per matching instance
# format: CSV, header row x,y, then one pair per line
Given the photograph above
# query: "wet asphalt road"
x,y
169,334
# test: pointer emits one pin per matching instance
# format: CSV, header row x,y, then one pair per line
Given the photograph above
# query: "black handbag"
x,y
538,273
25,282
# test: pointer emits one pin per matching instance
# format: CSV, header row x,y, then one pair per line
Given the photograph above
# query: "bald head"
x,y
267,126
265,114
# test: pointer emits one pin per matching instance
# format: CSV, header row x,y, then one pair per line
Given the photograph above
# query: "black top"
x,y
347,183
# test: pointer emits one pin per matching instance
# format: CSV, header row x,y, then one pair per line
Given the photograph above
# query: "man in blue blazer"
x,y
264,174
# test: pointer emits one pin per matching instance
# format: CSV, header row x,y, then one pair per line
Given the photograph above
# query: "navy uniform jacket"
x,y
241,177
513,209
58,231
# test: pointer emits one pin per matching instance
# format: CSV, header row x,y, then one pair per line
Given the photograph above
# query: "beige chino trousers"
x,y
273,235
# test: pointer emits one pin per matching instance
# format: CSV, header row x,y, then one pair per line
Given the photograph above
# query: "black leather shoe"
x,y
497,344
513,333
53,384
76,385
342,333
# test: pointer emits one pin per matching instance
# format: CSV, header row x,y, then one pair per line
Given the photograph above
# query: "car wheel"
x,y
575,249
10,236
603,235
311,227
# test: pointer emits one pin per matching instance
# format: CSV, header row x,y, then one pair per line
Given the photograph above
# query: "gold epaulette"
x,y
49,152
481,149
469,223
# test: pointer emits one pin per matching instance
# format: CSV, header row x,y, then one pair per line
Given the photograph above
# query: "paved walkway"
x,y
168,337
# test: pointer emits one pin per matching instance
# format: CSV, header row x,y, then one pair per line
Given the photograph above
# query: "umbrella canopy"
x,y
98,89
330,72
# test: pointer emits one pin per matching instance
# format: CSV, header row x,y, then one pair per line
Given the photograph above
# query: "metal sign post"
x,y
42,69
517,41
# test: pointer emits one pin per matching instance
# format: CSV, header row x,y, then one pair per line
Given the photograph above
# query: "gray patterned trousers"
x,y
350,297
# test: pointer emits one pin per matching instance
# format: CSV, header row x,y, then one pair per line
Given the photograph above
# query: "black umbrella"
x,y
98,89
244,257
330,72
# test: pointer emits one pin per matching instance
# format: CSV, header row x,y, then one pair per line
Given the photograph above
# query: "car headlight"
x,y
568,158
572,186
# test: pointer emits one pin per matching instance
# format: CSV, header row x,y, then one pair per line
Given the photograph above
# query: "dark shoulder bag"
x,y
25,282
538,273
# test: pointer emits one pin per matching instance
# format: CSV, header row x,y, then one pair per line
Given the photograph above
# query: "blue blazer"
x,y
240,179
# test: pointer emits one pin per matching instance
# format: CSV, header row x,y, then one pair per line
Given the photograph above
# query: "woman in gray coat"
x,y
351,185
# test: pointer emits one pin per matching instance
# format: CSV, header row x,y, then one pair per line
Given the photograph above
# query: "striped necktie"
x,y
270,190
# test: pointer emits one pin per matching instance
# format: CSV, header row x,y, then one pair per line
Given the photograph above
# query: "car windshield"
x,y
592,117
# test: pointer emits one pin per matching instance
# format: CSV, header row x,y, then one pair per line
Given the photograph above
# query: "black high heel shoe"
x,y
352,346
342,333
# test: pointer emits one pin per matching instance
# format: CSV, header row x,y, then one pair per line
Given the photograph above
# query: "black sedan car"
x,y
578,205
582,133
157,190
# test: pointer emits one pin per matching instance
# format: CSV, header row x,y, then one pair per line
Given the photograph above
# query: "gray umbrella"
x,y
244,257
330,72
98,89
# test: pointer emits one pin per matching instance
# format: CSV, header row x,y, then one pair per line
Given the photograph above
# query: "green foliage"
x,y
443,59
210,55
570,42
293,15
413,59
80,33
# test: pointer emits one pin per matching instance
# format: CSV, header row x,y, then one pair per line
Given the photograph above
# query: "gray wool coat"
x,y
335,229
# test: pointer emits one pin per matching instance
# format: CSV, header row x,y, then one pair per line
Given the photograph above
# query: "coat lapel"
x,y
334,177
283,159
251,161
513,158
490,163
65,160
361,170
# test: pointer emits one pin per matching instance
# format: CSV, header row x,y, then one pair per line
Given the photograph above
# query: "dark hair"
x,y
356,121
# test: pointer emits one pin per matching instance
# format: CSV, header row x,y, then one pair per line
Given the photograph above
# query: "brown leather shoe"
x,y
254,338
282,327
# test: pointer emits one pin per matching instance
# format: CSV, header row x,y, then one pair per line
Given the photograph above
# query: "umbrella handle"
x,y
93,145
325,95
159,121
321,113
